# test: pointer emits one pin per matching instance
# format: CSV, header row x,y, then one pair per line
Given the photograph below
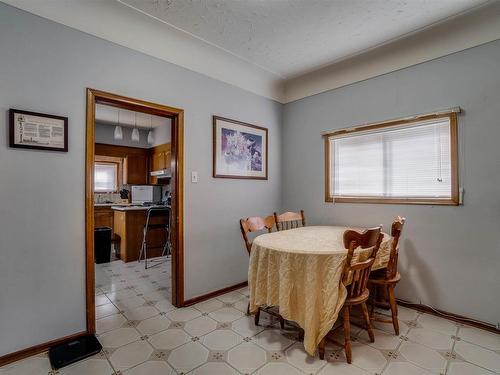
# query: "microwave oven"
x,y
146,194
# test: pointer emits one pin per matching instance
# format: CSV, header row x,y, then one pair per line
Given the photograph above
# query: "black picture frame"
x,y
14,144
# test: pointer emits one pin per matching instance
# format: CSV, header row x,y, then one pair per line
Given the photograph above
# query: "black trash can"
x,y
102,244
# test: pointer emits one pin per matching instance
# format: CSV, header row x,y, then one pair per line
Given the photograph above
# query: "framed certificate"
x,y
37,131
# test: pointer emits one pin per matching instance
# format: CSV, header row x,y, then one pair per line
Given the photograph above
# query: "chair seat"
x,y
380,279
359,299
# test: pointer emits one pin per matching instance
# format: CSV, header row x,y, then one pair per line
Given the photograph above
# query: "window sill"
x,y
378,200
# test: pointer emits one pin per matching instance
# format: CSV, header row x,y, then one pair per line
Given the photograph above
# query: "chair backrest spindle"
x,y
290,220
355,275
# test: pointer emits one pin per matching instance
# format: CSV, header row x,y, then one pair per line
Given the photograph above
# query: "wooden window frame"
x,y
452,201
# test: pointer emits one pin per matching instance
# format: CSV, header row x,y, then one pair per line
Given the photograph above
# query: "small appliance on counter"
x,y
146,194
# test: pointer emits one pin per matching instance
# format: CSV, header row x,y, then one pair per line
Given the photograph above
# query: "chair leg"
x,y
257,316
321,348
374,298
248,308
347,335
282,322
394,308
367,321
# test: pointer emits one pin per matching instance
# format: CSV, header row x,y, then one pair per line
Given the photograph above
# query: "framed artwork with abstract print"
x,y
240,150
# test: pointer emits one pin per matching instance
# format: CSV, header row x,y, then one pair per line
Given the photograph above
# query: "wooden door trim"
x,y
177,116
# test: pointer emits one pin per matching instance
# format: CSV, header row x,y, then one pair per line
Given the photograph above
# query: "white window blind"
x,y
411,161
105,177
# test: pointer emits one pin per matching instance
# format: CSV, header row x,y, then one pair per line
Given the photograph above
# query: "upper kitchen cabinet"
x,y
159,160
135,169
135,161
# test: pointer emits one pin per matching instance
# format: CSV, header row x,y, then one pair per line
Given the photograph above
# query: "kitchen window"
x,y
105,177
411,161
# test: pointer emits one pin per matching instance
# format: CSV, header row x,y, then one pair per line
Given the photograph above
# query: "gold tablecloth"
x,y
300,271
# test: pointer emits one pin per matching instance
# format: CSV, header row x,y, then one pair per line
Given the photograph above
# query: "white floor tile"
x,y
153,325
110,323
367,358
246,357
151,368
188,356
141,313
480,337
464,368
200,326
119,337
183,315
209,306
406,368
216,368
479,356
245,327
169,339
437,324
278,368
226,314
273,340
383,340
91,366
432,339
29,366
105,310
342,368
222,339
423,356
298,357
131,355
230,297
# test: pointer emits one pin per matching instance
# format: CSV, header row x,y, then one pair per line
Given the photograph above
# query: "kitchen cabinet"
x,y
159,159
103,216
129,225
135,161
135,169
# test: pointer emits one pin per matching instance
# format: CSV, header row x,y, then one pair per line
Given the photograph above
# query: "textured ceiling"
x,y
292,37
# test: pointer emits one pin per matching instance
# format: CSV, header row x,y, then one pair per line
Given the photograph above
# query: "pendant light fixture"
x,y
151,137
118,134
135,131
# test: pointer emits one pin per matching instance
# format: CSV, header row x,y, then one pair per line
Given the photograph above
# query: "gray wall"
x,y
46,67
449,255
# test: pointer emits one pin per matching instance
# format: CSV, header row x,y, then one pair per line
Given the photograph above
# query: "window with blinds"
x,y
105,177
411,161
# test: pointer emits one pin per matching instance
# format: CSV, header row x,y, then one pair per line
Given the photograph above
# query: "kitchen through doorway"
x,y
134,237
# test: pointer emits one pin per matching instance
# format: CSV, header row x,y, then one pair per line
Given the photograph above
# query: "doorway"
x,y
176,116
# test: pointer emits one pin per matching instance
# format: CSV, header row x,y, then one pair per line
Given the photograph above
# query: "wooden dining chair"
x,y
385,280
259,224
355,279
290,220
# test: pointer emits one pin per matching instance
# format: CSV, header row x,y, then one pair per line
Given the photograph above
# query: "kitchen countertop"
x,y
134,207
110,204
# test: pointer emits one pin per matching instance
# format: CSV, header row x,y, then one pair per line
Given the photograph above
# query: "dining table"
x,y
300,271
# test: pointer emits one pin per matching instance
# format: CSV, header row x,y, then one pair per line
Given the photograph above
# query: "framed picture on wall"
x,y
239,150
37,131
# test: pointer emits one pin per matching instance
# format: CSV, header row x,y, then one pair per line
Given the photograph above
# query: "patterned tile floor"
x,y
143,334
